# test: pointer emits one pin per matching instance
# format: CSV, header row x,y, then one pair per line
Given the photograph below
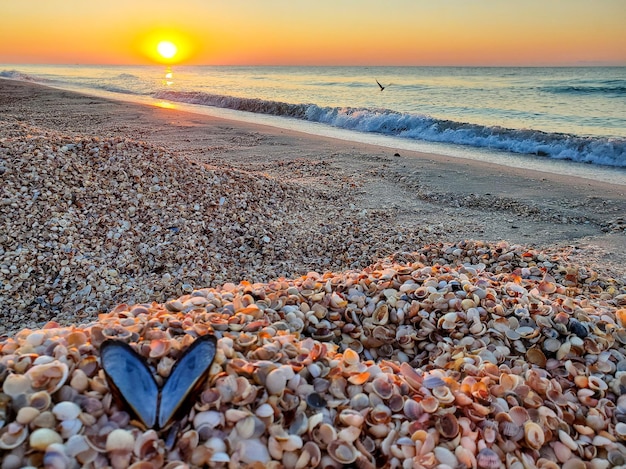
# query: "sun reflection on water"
x,y
169,77
165,105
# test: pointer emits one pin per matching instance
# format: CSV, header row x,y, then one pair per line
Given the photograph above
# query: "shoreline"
x,y
527,162
365,199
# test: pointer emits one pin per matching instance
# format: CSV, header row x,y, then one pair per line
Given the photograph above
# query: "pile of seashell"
x,y
89,222
471,355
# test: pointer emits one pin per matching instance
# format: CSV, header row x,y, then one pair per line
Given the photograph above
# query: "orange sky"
x,y
319,32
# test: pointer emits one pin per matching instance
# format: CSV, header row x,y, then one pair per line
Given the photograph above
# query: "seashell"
x,y
323,435
246,427
131,380
412,409
16,384
379,414
77,447
147,446
519,415
89,366
359,378
299,426
44,420
13,435
535,356
574,463
276,382
66,410
349,434
465,457
342,452
351,417
252,451
551,345
510,429
527,332
382,387
69,428
381,315
48,377
445,457
620,430
411,376
159,348
547,285
264,411
316,401
26,415
120,445
337,302
430,404
310,456
448,426
561,451
41,438
443,394
596,383
533,435
360,401
350,357
396,403
40,400
488,459
56,457
79,380
433,381
616,458
578,328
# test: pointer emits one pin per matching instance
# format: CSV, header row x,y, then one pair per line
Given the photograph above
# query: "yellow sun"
x,y
167,49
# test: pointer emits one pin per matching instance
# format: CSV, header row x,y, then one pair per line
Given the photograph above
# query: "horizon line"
x,y
140,64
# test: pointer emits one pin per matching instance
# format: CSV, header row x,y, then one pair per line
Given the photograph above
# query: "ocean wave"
x,y
114,88
596,150
615,87
127,76
17,75
96,84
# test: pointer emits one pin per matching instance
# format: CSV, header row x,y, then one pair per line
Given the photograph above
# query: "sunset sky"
x,y
320,32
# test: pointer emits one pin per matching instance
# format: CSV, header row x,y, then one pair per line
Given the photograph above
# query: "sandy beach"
x,y
320,204
374,307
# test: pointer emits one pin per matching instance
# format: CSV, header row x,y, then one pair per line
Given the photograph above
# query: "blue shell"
x,y
131,380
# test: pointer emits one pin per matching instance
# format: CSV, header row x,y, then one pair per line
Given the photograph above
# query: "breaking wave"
x,y
596,150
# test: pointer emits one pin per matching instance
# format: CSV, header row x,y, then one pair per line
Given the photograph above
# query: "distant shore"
x,y
303,202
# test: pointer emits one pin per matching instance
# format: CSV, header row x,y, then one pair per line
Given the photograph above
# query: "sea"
x,y
568,120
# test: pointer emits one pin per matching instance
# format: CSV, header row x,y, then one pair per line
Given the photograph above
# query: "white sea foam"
x,y
604,151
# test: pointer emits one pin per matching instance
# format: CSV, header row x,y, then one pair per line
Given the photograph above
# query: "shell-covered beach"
x,y
372,309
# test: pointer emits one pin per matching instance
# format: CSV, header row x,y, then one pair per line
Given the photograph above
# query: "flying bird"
x,y
381,86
